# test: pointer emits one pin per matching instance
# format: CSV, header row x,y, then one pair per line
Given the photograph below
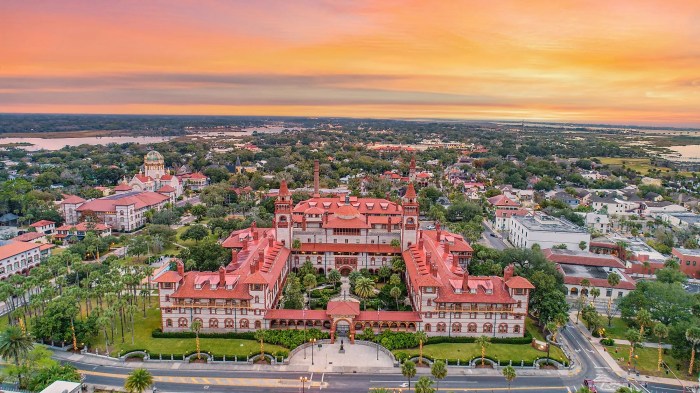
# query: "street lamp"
x,y
377,344
303,381
312,341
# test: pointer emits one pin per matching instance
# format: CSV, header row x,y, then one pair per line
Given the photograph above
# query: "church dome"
x,y
347,212
153,157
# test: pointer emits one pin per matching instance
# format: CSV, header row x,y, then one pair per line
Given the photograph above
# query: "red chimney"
x,y
270,241
180,268
508,272
254,266
254,230
433,269
447,247
245,243
222,276
428,256
465,281
388,227
420,243
303,223
234,256
261,255
439,231
316,174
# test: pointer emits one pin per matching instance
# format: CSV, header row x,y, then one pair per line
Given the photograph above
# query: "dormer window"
x,y
229,287
198,286
489,291
472,291
212,287
429,289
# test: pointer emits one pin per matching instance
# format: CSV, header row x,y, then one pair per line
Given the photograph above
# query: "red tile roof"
x,y
366,206
511,213
44,247
299,315
388,316
167,176
343,308
600,282
140,200
166,189
502,200
122,187
72,199
28,237
169,276
82,227
42,223
342,223
13,248
187,289
284,190
143,178
410,191
519,282
197,175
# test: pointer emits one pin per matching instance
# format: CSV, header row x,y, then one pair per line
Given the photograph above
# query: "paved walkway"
x,y
327,358
614,366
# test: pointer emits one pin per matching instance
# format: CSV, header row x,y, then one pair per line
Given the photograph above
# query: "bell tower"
x,y
283,215
409,227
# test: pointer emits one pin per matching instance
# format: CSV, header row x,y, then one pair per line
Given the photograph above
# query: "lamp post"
x,y
303,381
377,344
313,342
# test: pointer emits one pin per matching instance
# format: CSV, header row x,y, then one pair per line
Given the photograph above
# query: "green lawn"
x,y
531,327
646,363
143,340
467,351
617,330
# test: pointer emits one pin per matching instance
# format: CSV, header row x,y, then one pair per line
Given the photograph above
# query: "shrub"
x,y
608,342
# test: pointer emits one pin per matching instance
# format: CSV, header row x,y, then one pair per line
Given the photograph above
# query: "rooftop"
x,y
546,223
688,251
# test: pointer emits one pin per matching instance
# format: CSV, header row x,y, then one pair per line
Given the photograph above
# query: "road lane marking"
x,y
250,382
497,389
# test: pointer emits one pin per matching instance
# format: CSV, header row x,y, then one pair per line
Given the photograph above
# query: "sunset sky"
x,y
635,62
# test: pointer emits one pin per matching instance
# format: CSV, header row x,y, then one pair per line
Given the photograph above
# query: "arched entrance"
x,y
342,328
345,271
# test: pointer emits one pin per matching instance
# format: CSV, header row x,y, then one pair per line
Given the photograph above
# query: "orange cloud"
x,y
598,61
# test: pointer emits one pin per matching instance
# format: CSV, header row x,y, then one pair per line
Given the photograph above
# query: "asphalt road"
x,y
493,239
463,380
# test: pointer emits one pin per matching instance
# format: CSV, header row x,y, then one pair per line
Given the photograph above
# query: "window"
x,y
520,304
214,323
427,327
488,328
244,324
441,314
228,323
168,323
258,325
456,327
182,322
609,292
441,327
503,328
516,329
471,328
167,298
504,316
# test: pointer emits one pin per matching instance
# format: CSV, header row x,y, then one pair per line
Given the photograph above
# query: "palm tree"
x,y
138,381
643,320
424,385
395,292
408,369
509,374
260,336
422,338
692,335
660,331
196,328
334,277
364,288
595,292
560,320
439,371
552,328
634,337
15,344
483,342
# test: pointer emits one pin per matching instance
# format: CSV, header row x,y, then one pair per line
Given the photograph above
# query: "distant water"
x,y
59,143
687,151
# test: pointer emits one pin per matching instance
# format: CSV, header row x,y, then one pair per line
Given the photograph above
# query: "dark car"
x,y
590,385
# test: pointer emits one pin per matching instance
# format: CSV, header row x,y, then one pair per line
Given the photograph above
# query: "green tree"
x,y
207,255
424,385
199,211
643,320
309,281
293,298
364,288
692,335
334,277
422,339
582,245
395,292
195,232
483,342
196,328
509,374
138,381
408,369
591,317
138,245
296,244
439,371
394,279
634,337
661,332
15,345
384,273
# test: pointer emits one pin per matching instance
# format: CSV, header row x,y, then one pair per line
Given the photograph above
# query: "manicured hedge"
x,y
288,338
496,340
157,333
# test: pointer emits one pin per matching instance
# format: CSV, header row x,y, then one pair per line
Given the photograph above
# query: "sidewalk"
x,y
614,366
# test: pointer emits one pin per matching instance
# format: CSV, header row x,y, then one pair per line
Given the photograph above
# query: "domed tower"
x,y
154,165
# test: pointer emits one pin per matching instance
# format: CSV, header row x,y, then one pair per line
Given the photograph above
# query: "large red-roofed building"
x,y
346,234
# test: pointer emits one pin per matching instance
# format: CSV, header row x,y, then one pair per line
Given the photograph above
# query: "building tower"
x,y
409,227
316,173
412,170
283,215
154,165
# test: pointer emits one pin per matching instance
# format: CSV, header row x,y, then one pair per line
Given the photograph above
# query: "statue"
x,y
342,349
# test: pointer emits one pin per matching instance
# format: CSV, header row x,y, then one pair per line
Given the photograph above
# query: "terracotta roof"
x,y
366,206
339,222
122,187
140,199
82,227
299,315
339,247
42,223
388,316
197,175
167,176
169,276
28,237
511,213
13,248
72,199
519,282
143,178
502,200
343,308
235,239
166,188
187,289
44,247
410,191
599,282
574,257
284,190
256,278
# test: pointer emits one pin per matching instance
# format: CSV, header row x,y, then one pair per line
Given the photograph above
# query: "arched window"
x,y
488,328
503,328
244,324
213,323
182,322
516,329
471,328
372,261
169,323
441,327
520,303
574,291
257,299
228,323
456,327
427,327
258,325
